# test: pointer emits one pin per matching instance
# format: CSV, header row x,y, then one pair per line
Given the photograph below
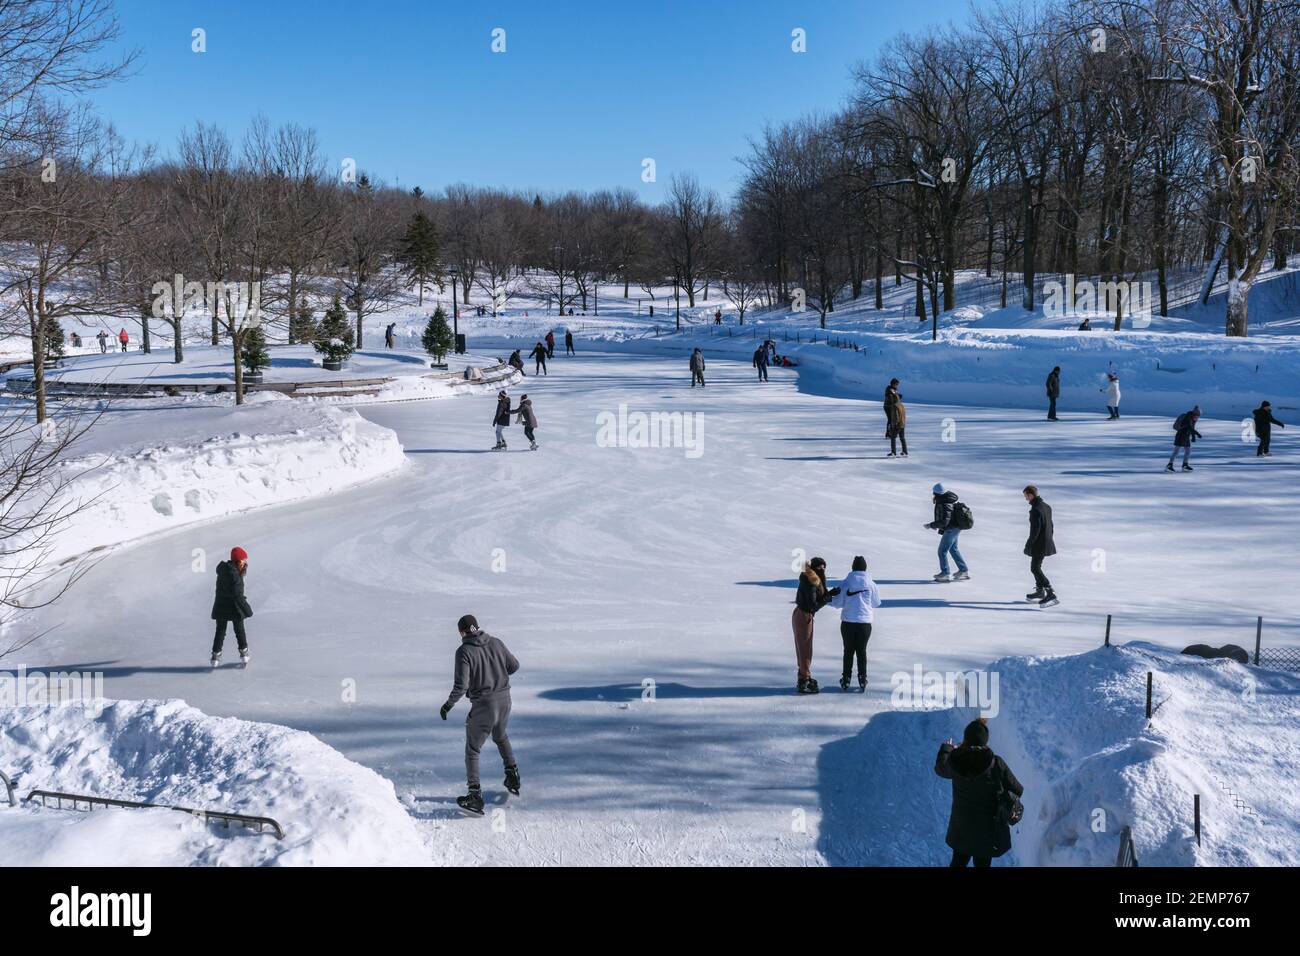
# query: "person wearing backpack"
x,y
951,518
985,797
1184,434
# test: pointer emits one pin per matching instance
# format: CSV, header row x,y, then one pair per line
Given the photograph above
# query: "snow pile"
x,y
1088,758
334,812
268,452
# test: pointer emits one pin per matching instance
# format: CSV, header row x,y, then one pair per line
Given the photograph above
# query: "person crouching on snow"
x,y
483,668
811,597
230,606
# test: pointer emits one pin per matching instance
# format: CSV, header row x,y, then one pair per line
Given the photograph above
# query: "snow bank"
x,y
334,812
268,452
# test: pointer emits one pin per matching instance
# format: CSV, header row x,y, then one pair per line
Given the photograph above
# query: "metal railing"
x,y
76,799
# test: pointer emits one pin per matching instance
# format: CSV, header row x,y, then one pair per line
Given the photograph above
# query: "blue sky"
x,y
583,92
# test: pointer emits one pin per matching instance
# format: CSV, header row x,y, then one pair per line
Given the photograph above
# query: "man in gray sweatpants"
x,y
483,668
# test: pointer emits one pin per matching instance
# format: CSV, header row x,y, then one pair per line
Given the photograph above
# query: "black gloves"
x,y
832,592
444,710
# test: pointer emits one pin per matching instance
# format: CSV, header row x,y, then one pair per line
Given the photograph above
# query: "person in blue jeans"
x,y
944,523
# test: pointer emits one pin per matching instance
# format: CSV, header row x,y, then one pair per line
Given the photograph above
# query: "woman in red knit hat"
x,y
230,605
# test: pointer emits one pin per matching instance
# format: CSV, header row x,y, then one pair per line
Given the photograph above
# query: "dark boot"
x,y
472,802
512,780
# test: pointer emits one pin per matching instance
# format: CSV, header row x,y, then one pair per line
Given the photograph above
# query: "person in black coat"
x,y
230,606
1264,422
976,830
1039,545
812,596
1184,434
1053,392
539,353
568,343
501,418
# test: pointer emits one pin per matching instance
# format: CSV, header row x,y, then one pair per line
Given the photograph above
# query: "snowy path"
x,y
623,565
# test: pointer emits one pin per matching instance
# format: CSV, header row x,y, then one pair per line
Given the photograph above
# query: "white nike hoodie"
x,y
858,595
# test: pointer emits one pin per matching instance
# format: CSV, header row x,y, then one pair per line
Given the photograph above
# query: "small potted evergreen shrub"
x,y
437,338
253,355
333,338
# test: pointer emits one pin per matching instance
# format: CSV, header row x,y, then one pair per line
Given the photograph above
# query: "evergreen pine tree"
x,y
253,351
53,340
437,338
419,252
303,323
333,338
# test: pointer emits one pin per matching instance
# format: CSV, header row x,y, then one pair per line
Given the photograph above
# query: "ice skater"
x,y
482,673
949,523
550,344
1264,422
1040,544
568,343
760,362
811,597
1111,388
123,338
895,419
501,419
539,353
1184,434
697,368
1053,392
230,606
856,597
526,418
979,826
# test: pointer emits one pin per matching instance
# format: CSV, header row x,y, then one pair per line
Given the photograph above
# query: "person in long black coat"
x,y
1053,392
1264,422
230,606
975,829
1040,544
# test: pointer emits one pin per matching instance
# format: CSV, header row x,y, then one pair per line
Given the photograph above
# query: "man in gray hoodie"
x,y
483,668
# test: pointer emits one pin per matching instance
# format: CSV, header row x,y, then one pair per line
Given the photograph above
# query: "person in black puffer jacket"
x,y
975,830
811,597
945,523
230,606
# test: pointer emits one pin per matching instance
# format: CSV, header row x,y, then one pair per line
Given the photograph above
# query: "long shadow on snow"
x,y
794,583
617,693
882,803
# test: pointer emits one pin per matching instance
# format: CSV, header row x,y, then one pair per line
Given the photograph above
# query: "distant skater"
x,y
760,362
539,353
1053,392
388,335
501,419
230,606
550,344
895,419
1040,544
697,368
123,338
103,340
1112,394
811,597
1264,422
1184,434
482,673
857,597
568,343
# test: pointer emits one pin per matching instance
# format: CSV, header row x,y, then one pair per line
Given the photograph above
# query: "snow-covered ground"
x,y
647,592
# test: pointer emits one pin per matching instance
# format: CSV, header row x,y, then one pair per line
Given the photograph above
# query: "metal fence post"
x,y
1196,813
1259,630
1148,695
1108,630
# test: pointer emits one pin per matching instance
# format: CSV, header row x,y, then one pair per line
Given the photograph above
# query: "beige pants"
x,y
801,622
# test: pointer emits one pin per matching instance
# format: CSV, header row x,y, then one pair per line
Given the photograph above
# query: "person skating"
x,y
1184,434
123,338
856,597
550,344
1112,394
482,673
1040,544
697,368
501,419
527,419
103,340
949,527
1264,422
230,606
760,362
1053,392
979,825
539,353
811,597
568,343
895,419
388,335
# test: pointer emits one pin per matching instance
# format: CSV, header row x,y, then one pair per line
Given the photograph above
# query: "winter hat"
x,y
1265,404
938,489
467,624
976,733
859,563
238,554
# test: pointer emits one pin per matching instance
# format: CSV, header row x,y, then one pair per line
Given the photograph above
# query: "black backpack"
x,y
1180,422
1010,809
962,517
